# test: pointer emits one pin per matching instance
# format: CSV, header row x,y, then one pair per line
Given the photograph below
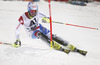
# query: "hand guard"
x,y
45,20
17,43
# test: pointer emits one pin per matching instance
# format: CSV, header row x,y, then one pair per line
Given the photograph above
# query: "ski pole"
x,y
75,25
5,43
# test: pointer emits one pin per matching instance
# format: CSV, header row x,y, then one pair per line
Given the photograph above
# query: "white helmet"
x,y
32,8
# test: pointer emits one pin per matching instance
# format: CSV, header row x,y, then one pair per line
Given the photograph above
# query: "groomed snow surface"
x,y
37,52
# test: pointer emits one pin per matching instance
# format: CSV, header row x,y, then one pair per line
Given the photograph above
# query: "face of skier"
x,y
33,13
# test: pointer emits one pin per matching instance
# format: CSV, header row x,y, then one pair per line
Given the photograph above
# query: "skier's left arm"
x,y
45,19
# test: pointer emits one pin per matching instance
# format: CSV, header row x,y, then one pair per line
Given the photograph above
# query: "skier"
x,y
35,30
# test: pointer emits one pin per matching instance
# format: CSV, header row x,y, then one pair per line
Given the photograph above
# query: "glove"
x,y
17,43
45,20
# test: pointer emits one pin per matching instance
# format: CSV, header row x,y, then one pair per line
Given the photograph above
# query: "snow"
x,y
37,52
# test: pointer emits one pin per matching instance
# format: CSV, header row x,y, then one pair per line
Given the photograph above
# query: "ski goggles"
x,y
33,11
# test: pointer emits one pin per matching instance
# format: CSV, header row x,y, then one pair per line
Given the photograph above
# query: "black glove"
x,y
17,43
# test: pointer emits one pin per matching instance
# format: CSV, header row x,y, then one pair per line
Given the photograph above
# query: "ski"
x,y
66,51
82,52
5,43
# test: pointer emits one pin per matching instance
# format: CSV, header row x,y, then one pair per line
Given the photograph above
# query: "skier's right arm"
x,y
17,43
18,30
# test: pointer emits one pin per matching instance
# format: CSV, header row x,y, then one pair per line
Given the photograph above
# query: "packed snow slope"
x,y
37,52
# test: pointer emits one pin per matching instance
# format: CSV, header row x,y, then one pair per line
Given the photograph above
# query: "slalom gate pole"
x,y
50,24
75,25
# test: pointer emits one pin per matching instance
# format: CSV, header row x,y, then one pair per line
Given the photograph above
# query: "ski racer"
x,y
35,30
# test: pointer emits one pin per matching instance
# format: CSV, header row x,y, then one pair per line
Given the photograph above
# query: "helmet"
x,y
32,8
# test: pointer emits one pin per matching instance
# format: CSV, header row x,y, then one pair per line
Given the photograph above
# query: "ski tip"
x,y
85,53
82,52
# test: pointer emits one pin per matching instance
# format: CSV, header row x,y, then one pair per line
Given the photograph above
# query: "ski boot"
x,y
71,47
58,47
